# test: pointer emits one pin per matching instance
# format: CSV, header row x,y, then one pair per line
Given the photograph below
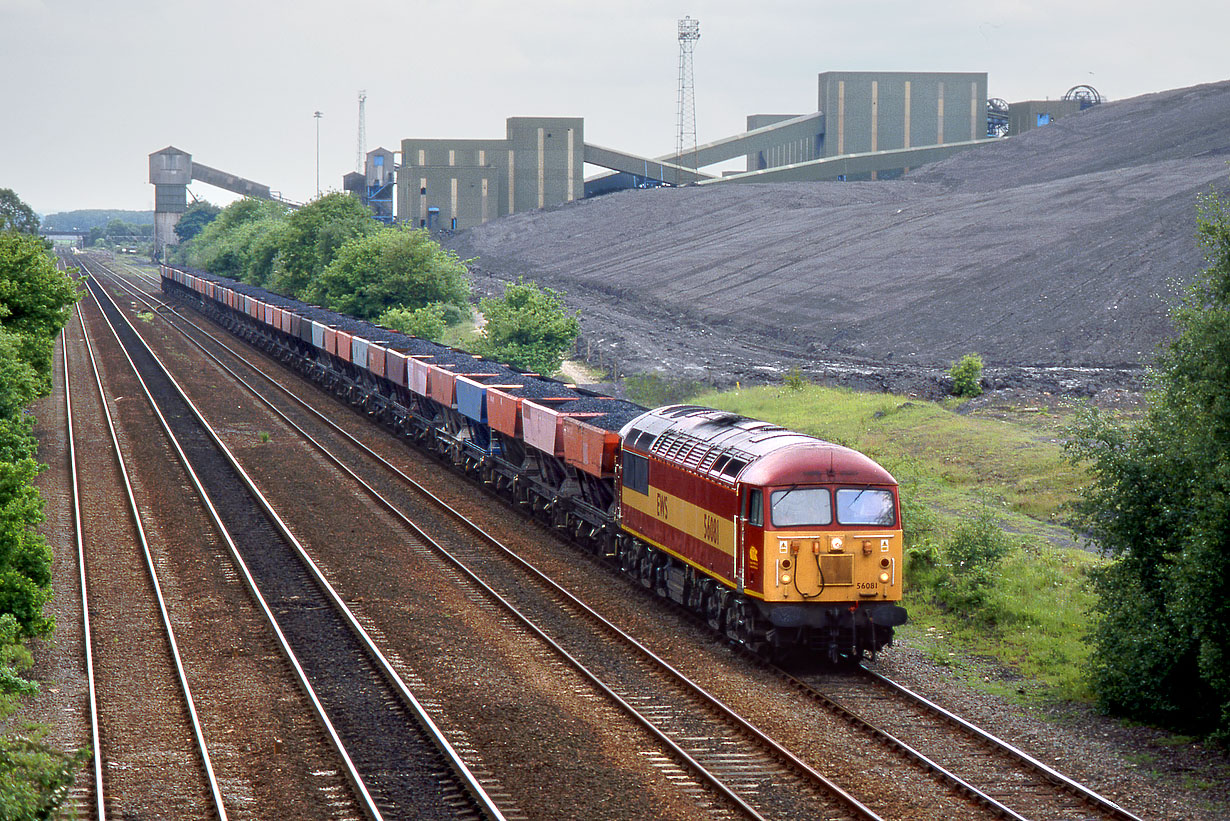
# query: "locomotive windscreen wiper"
x,y
780,496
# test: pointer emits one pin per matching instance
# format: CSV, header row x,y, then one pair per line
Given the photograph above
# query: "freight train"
x,y
785,543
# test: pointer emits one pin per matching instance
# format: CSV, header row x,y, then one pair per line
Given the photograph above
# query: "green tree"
x,y
227,244
425,323
35,302
264,238
35,299
113,230
313,236
16,215
194,220
34,778
84,220
528,327
34,305
390,267
1160,506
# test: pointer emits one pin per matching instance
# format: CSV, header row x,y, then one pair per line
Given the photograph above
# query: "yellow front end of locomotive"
x,y
853,565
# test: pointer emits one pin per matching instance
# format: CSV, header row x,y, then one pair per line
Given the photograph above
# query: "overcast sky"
x,y
89,88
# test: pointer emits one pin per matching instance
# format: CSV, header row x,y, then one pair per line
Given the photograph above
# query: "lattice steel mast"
x,y
689,33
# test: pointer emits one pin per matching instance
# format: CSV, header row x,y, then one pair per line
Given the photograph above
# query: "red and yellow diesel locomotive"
x,y
781,541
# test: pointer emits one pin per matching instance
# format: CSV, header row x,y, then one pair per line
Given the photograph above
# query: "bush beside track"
x,y
35,303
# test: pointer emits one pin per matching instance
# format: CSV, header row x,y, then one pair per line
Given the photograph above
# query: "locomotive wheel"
x,y
715,609
660,575
645,571
629,556
743,626
697,594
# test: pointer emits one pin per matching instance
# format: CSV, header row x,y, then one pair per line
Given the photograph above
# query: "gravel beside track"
x,y
268,750
151,762
1024,785
59,664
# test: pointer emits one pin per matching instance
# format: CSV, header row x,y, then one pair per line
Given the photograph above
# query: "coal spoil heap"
x,y
1055,252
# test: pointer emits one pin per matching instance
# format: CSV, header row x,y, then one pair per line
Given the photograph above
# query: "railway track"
x,y
998,779
725,752
134,580
87,789
1018,780
660,697
399,763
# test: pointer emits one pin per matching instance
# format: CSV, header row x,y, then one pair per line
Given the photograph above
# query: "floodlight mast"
x,y
689,33
361,150
318,115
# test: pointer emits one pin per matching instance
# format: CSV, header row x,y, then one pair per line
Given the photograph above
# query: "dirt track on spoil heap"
x,y
1055,255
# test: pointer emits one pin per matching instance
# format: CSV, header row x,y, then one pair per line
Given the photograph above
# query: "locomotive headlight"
x,y
883,578
835,544
785,578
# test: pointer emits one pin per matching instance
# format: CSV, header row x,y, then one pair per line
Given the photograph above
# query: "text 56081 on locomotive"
x,y
781,539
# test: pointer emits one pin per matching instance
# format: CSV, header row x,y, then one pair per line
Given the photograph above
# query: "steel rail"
x,y
1053,775
487,805
728,713
190,702
95,740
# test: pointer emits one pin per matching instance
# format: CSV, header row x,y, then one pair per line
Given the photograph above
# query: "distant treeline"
x,y
84,220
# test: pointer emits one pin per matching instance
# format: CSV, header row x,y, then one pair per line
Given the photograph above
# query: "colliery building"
x,y
868,125
461,183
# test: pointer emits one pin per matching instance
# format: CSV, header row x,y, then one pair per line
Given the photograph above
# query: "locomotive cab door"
x,y
749,544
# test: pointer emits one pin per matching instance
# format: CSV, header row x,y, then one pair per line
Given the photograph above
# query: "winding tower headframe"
x,y
689,33
1086,95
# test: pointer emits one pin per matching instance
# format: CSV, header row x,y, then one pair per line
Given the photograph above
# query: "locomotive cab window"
x,y
636,472
866,507
753,510
801,506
